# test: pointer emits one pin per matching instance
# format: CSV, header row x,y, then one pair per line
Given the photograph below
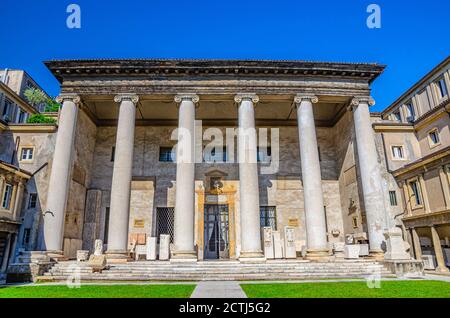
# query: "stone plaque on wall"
x,y
293,222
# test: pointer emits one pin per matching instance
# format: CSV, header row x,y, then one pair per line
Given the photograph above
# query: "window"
x,y
26,236
268,217
397,115
6,108
6,199
393,198
415,190
212,156
113,153
442,88
20,116
264,155
32,201
355,222
166,154
165,222
26,154
397,152
433,137
410,112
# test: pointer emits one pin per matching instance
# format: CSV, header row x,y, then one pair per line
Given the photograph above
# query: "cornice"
x,y
65,69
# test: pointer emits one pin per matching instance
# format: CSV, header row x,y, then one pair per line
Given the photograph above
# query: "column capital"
x,y
186,96
305,97
361,100
75,98
131,97
246,96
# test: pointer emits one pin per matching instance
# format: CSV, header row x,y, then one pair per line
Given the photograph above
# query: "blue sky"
x,y
414,36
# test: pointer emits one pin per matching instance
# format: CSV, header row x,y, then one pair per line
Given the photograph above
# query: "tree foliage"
x,y
40,119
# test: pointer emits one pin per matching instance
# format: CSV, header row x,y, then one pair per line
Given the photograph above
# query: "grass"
x,y
388,289
98,291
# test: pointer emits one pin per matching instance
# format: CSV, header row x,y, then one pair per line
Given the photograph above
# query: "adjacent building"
x,y
415,133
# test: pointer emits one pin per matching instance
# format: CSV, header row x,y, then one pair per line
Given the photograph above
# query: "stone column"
x,y
6,254
438,251
316,235
18,200
248,178
121,180
184,248
59,182
371,181
416,244
445,186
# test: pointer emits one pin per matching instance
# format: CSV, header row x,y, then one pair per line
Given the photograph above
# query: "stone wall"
x,y
154,182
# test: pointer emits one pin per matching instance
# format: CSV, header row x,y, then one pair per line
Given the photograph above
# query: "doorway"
x,y
216,242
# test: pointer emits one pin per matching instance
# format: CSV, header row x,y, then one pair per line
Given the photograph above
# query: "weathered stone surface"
x,y
164,241
151,248
268,242
351,251
98,247
289,242
278,245
395,246
82,255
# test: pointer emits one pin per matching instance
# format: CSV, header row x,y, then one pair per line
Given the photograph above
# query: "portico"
x,y
133,112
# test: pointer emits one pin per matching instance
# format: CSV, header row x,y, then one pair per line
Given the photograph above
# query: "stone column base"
x,y
321,255
117,257
252,257
442,269
377,255
183,256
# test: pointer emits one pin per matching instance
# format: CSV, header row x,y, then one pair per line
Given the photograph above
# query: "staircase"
x,y
219,270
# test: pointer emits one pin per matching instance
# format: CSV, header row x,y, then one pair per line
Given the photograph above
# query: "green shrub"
x,y
39,119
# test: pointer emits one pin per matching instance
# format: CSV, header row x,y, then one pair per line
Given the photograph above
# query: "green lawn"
x,y
389,289
98,291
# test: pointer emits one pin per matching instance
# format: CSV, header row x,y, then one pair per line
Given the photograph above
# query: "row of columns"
x,y
248,176
440,260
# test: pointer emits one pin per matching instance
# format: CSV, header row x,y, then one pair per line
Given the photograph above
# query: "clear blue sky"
x,y
414,36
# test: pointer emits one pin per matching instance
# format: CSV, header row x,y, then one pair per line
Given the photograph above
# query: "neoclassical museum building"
x,y
306,153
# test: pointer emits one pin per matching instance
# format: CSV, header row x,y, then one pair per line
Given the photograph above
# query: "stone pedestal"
x,y
164,243
351,251
289,242
363,249
395,246
277,245
338,249
82,255
151,248
269,252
